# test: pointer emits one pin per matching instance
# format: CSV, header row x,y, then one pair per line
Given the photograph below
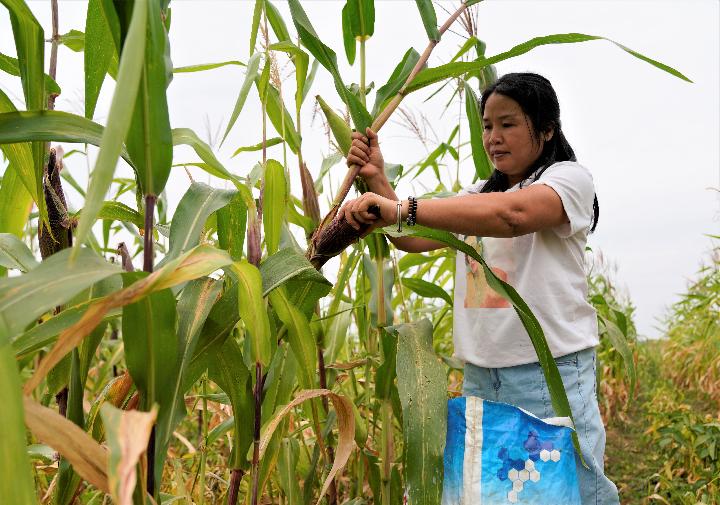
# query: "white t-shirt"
x,y
547,270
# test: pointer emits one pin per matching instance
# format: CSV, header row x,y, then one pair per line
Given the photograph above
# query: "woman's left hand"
x,y
356,212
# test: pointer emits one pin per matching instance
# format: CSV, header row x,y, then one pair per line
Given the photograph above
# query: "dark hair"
x,y
538,101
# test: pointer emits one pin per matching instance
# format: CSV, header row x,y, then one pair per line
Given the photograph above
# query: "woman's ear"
x,y
548,135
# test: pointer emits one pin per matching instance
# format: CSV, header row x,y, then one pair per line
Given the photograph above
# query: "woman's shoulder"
x,y
568,167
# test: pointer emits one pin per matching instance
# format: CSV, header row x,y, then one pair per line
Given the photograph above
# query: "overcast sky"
x,y
650,139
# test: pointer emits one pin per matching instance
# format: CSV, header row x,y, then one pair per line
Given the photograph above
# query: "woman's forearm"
x,y
381,186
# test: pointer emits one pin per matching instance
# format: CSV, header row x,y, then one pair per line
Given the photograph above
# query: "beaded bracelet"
x,y
412,211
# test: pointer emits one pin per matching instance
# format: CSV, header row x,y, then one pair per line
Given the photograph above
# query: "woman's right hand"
x,y
365,151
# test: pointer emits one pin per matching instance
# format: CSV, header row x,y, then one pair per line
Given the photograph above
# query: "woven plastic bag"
x,y
496,453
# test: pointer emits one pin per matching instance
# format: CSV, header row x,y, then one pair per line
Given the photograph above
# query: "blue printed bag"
x,y
499,454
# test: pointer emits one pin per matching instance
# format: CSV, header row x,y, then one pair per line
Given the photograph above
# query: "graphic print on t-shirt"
x,y
498,254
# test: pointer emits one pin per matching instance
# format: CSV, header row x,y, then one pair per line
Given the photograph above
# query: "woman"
x,y
534,214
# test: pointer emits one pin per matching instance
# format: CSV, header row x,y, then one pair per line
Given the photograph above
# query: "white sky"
x,y
650,139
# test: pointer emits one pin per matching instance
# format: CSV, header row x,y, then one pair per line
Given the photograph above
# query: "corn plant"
x,y
323,396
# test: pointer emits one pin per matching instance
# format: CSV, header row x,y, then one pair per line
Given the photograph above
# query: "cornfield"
x,y
231,368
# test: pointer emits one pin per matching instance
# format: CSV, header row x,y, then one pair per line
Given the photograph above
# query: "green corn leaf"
x,y
118,211
193,308
300,336
328,59
100,53
257,147
429,18
10,65
15,254
304,284
15,203
426,289
231,226
20,158
252,311
149,139
223,317
17,487
148,331
257,12
52,125
339,128
185,136
421,386
228,371
386,373
287,465
396,80
194,209
57,279
251,74
620,343
348,37
30,47
483,168
202,67
301,60
278,114
42,335
275,203
456,69
388,280
119,119
276,22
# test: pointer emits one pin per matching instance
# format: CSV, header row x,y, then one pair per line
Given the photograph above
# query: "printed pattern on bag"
x,y
499,454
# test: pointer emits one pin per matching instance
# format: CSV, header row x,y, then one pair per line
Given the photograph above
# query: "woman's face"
x,y
509,137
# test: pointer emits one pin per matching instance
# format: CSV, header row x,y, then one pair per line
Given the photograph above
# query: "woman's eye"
x,y
507,125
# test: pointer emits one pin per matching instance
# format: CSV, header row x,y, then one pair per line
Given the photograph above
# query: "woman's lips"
x,y
499,154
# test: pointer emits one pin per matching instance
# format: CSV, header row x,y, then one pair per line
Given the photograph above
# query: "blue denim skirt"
x,y
524,386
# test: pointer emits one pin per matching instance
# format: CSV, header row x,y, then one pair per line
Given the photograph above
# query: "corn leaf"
x,y
52,125
149,139
275,203
346,428
198,262
429,18
483,169
201,67
421,386
87,457
328,59
257,147
188,222
426,289
278,114
148,331
252,311
128,433
276,22
228,371
193,308
17,487
301,60
456,69
396,80
26,297
15,254
231,225
30,47
21,169
303,283
251,74
300,336
119,119
100,53
10,65
15,203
